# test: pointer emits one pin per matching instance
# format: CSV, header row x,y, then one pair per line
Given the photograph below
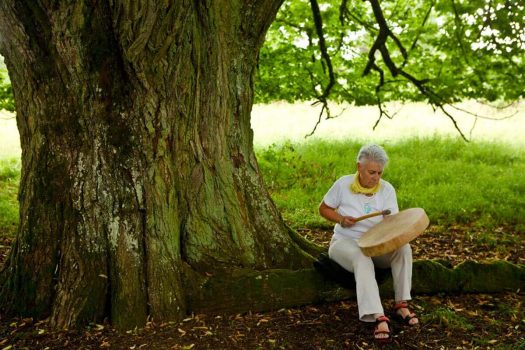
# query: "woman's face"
x,y
369,173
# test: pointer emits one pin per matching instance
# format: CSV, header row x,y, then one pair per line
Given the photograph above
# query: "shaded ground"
x,y
455,244
464,321
448,322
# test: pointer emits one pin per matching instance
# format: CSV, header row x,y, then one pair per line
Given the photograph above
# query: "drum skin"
x,y
394,232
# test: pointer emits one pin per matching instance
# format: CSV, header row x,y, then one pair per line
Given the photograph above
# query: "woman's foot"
x,y
382,333
403,314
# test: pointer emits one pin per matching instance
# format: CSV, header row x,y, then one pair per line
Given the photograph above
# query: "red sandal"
x,y
405,320
377,331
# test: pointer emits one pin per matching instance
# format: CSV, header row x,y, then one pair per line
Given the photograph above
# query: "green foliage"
x,y
7,101
9,180
462,49
453,181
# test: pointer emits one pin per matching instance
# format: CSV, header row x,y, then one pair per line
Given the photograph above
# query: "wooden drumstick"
x,y
377,213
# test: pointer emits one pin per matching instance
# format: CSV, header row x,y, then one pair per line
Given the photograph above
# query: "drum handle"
x,y
377,213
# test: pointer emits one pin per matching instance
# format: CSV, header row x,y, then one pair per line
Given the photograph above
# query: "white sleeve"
x,y
391,201
332,198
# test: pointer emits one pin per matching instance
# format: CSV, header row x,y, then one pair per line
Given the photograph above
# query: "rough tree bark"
x,y
138,170
140,194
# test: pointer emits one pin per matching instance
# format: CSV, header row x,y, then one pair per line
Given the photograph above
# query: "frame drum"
x,y
394,232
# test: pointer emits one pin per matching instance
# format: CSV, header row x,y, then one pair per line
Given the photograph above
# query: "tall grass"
x,y
454,181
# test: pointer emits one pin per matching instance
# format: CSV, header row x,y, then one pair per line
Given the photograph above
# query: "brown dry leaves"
x,y
447,322
454,244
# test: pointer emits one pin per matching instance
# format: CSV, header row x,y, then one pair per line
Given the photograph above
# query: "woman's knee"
x,y
405,250
402,254
341,248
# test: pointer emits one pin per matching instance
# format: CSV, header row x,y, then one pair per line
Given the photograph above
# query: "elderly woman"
x,y
355,195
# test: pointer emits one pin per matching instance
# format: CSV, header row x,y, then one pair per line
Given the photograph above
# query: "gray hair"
x,y
372,153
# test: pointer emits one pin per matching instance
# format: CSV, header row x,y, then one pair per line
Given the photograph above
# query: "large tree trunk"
x,y
138,170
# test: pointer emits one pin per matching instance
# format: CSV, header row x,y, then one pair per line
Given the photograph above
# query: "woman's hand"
x,y
346,221
332,215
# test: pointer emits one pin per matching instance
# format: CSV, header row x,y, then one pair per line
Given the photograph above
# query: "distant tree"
x,y
370,52
139,181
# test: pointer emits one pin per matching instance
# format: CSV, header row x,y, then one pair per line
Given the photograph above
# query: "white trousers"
x,y
347,253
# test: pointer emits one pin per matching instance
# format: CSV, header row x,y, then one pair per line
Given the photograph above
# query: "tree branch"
x,y
459,31
345,15
478,116
326,62
325,106
380,45
316,12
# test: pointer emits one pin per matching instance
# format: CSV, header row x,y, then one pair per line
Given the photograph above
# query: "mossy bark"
x,y
468,277
275,289
138,170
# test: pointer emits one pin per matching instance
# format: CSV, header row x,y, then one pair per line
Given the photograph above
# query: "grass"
x,y
447,318
492,241
9,180
479,183
519,345
454,181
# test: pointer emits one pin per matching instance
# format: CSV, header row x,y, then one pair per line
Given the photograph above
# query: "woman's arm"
x,y
332,215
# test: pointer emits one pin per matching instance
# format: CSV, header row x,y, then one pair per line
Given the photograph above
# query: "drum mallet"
x,y
377,213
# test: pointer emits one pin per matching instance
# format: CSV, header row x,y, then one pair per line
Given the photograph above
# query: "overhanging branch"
x,y
318,21
384,34
326,61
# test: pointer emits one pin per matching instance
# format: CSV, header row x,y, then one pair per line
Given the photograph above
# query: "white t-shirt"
x,y
347,203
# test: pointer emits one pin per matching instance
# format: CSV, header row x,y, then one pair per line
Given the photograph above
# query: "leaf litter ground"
x,y
466,321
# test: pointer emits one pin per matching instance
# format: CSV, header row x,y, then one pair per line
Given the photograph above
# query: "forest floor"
x,y
464,321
